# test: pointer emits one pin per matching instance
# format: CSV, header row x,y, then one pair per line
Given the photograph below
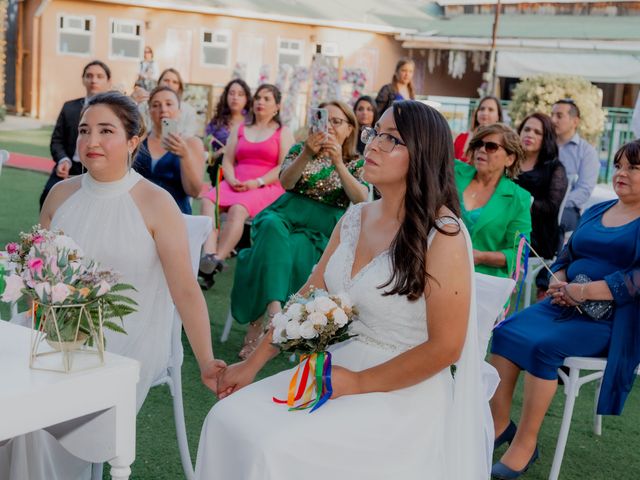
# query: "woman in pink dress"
x,y
251,165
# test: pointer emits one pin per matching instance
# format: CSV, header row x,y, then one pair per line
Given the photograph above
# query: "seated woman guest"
x,y
321,176
538,339
396,411
488,111
188,119
494,209
124,222
251,165
545,178
367,116
232,109
400,88
173,162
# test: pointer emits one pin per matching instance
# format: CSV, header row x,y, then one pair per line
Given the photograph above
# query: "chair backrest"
x,y
492,294
198,229
572,179
4,158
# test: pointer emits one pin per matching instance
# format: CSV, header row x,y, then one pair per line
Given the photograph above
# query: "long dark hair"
x,y
474,118
370,101
549,147
275,91
430,185
222,116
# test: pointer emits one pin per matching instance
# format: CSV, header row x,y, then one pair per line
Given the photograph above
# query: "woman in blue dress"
x,y
173,162
601,262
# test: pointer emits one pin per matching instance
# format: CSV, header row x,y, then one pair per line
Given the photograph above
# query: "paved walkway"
x,y
29,162
14,122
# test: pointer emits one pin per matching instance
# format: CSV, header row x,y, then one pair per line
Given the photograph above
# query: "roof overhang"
x,y
249,14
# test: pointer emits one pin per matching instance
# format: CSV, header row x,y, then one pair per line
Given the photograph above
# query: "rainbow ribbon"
x,y
314,379
522,264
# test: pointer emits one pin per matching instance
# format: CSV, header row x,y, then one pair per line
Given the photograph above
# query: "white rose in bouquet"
x,y
345,301
293,329
310,306
308,330
317,318
325,304
295,311
340,318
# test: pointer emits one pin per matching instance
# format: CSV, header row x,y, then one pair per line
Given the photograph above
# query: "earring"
x,y
130,159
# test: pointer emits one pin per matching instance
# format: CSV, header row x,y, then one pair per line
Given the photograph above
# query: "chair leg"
x,y
227,327
96,471
571,392
181,428
597,419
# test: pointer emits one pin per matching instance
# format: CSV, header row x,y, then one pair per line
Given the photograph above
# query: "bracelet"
x,y
572,299
260,182
582,295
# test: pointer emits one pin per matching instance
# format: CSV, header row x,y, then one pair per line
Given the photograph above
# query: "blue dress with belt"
x,y
539,338
164,172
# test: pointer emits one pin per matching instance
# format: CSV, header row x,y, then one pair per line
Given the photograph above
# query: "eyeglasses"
x,y
489,147
336,122
386,142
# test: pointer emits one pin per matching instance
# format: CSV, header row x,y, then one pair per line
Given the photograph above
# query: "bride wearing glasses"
x,y
321,177
494,209
397,411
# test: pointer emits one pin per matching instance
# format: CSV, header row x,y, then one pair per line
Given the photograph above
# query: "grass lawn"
x,y
615,455
28,142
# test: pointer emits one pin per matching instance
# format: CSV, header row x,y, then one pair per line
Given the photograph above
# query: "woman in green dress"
x,y
321,176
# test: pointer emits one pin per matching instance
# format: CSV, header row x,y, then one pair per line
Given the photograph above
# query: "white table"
x,y
92,413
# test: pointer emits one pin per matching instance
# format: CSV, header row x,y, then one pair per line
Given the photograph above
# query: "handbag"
x,y
601,310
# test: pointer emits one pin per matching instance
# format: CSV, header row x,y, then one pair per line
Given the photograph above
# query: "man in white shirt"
x,y
578,157
96,78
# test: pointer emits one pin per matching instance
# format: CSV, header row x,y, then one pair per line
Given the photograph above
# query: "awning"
x,y
596,67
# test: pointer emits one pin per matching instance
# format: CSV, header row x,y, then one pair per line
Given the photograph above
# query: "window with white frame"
x,y
290,52
216,45
125,39
75,34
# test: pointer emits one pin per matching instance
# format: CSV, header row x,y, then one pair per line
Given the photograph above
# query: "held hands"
x,y
239,186
210,374
566,294
234,378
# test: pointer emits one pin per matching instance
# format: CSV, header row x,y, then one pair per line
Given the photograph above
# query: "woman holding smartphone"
x,y
168,159
321,176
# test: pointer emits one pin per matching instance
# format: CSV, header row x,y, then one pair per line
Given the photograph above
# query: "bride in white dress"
x,y
397,411
132,226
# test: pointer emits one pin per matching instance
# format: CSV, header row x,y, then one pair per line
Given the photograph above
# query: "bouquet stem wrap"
x,y
313,384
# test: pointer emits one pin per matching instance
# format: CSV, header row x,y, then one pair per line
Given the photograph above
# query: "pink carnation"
x,y
12,248
37,239
35,266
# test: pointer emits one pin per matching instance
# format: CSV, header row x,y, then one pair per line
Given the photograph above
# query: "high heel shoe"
x,y
209,266
506,436
500,471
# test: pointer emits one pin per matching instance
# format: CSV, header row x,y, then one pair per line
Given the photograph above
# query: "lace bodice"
x,y
391,321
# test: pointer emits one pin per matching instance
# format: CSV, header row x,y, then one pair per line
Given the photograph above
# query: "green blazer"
x,y
506,215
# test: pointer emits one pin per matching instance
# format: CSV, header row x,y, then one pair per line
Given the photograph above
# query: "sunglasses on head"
x,y
489,147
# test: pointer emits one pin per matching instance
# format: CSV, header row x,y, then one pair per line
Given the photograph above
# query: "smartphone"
x,y
319,121
169,125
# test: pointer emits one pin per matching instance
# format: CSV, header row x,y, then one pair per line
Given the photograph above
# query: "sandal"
x,y
210,264
250,344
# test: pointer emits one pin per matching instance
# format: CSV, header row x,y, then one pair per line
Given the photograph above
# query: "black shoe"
x,y
210,264
506,436
206,280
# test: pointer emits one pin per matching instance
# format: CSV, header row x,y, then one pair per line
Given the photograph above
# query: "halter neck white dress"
x,y
106,223
437,429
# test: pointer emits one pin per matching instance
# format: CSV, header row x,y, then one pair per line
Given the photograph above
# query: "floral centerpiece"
x,y
307,325
73,298
539,93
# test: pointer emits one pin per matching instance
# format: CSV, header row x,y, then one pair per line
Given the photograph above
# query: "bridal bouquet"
x,y
308,325
73,297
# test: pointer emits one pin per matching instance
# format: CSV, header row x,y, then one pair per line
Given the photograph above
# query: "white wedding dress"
x,y
105,222
439,429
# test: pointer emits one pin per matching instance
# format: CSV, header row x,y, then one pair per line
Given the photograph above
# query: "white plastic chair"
x,y
4,158
491,295
198,228
572,383
536,264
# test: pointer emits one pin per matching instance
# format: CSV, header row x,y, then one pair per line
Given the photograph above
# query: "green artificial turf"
x,y
28,142
615,455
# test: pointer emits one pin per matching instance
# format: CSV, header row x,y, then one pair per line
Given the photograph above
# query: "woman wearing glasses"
x,y
321,177
494,208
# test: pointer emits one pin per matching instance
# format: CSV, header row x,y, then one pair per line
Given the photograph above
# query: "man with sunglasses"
x,y
578,157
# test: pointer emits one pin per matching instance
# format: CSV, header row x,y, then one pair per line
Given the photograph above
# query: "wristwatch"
x,y
260,182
